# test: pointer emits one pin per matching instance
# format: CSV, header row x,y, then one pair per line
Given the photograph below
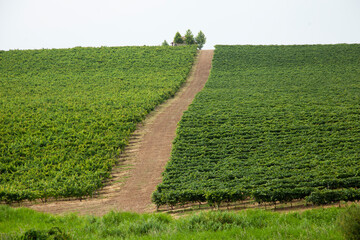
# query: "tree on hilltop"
x,y
178,38
189,37
200,40
165,43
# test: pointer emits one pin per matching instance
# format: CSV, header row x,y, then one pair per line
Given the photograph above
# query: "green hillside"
x,y
65,114
274,123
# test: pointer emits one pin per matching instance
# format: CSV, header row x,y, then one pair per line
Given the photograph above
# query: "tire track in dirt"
x,y
140,166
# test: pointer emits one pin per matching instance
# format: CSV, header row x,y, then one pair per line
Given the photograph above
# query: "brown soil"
x,y
140,167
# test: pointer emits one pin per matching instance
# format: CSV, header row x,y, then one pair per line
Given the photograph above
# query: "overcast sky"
x,y
36,24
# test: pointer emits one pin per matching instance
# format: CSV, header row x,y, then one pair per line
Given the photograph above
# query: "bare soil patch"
x,y
140,166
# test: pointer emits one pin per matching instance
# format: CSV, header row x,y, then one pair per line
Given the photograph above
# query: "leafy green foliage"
x,y
349,222
178,38
200,40
67,113
54,233
165,43
327,196
274,123
189,37
250,224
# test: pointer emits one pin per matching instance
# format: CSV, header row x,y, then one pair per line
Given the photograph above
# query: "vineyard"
x,y
65,114
274,124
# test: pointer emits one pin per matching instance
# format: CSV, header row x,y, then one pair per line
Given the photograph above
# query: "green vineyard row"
x,y
274,123
67,113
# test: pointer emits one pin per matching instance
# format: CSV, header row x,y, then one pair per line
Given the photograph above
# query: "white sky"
x,y
35,24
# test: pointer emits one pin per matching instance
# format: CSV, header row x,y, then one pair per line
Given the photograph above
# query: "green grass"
x,y
251,224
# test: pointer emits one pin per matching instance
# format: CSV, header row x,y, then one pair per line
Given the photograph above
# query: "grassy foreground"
x,y
251,224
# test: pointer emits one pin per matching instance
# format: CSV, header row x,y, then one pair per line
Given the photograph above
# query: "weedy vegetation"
x,y
251,224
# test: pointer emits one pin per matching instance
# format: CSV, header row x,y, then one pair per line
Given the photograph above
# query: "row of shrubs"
x,y
217,197
12,195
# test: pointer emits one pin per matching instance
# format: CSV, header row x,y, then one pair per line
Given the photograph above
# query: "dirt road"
x,y
140,167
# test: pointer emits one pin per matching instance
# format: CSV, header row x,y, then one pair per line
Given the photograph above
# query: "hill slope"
x,y
148,152
67,113
274,123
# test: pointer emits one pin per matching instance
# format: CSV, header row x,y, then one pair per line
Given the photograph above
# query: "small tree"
x,y
200,40
178,39
164,43
189,38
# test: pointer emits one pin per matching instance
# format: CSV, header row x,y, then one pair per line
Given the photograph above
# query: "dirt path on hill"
x,y
140,167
